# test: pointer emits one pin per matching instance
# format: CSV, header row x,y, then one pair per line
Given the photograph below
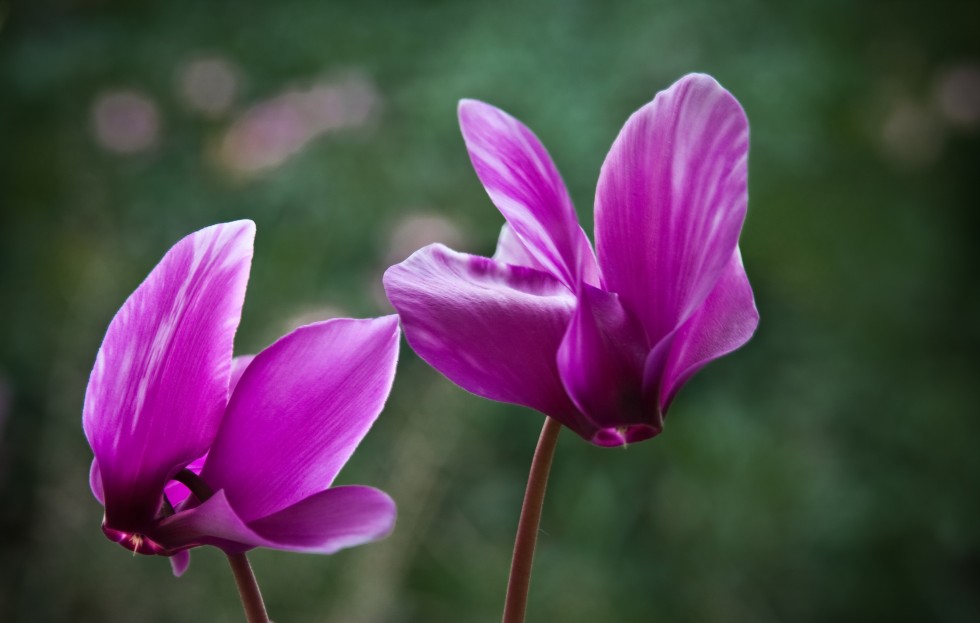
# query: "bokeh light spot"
x,y
125,121
911,135
417,230
271,131
958,94
208,85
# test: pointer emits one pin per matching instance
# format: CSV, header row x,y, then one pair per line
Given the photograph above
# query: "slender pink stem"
x,y
248,587
527,528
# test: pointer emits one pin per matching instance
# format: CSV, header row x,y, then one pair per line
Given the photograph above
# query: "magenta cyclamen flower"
x,y
258,440
599,341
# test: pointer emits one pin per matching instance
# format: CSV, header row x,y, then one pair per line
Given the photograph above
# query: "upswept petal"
x,y
671,200
160,381
238,365
510,250
491,328
300,409
322,523
590,266
524,184
601,361
725,321
175,491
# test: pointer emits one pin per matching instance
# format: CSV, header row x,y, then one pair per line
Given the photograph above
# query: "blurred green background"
x,y
828,471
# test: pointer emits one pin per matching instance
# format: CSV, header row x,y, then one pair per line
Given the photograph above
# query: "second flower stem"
x,y
527,528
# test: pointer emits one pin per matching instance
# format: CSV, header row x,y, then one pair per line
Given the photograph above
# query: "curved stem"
x,y
527,528
248,587
192,481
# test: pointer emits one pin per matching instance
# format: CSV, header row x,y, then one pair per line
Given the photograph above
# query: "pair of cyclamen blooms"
x,y
600,341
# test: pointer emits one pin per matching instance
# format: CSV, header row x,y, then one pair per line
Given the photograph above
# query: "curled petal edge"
x,y
324,523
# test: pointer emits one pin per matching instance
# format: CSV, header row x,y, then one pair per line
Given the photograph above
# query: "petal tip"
x,y
480,122
390,512
701,86
241,228
467,105
179,562
389,321
697,77
245,224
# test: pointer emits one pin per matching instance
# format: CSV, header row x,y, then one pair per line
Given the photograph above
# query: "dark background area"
x,y
827,471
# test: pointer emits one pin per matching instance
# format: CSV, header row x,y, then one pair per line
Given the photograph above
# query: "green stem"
x,y
527,528
248,587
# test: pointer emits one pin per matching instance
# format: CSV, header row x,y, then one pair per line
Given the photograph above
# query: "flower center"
x,y
135,542
625,435
139,543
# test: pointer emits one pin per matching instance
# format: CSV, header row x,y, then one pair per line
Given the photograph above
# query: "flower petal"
x,y
323,523
524,184
725,321
671,200
238,365
510,250
160,381
330,520
95,482
601,362
213,522
179,562
177,492
493,329
299,411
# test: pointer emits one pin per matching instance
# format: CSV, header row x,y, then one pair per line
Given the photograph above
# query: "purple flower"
x,y
259,439
599,341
